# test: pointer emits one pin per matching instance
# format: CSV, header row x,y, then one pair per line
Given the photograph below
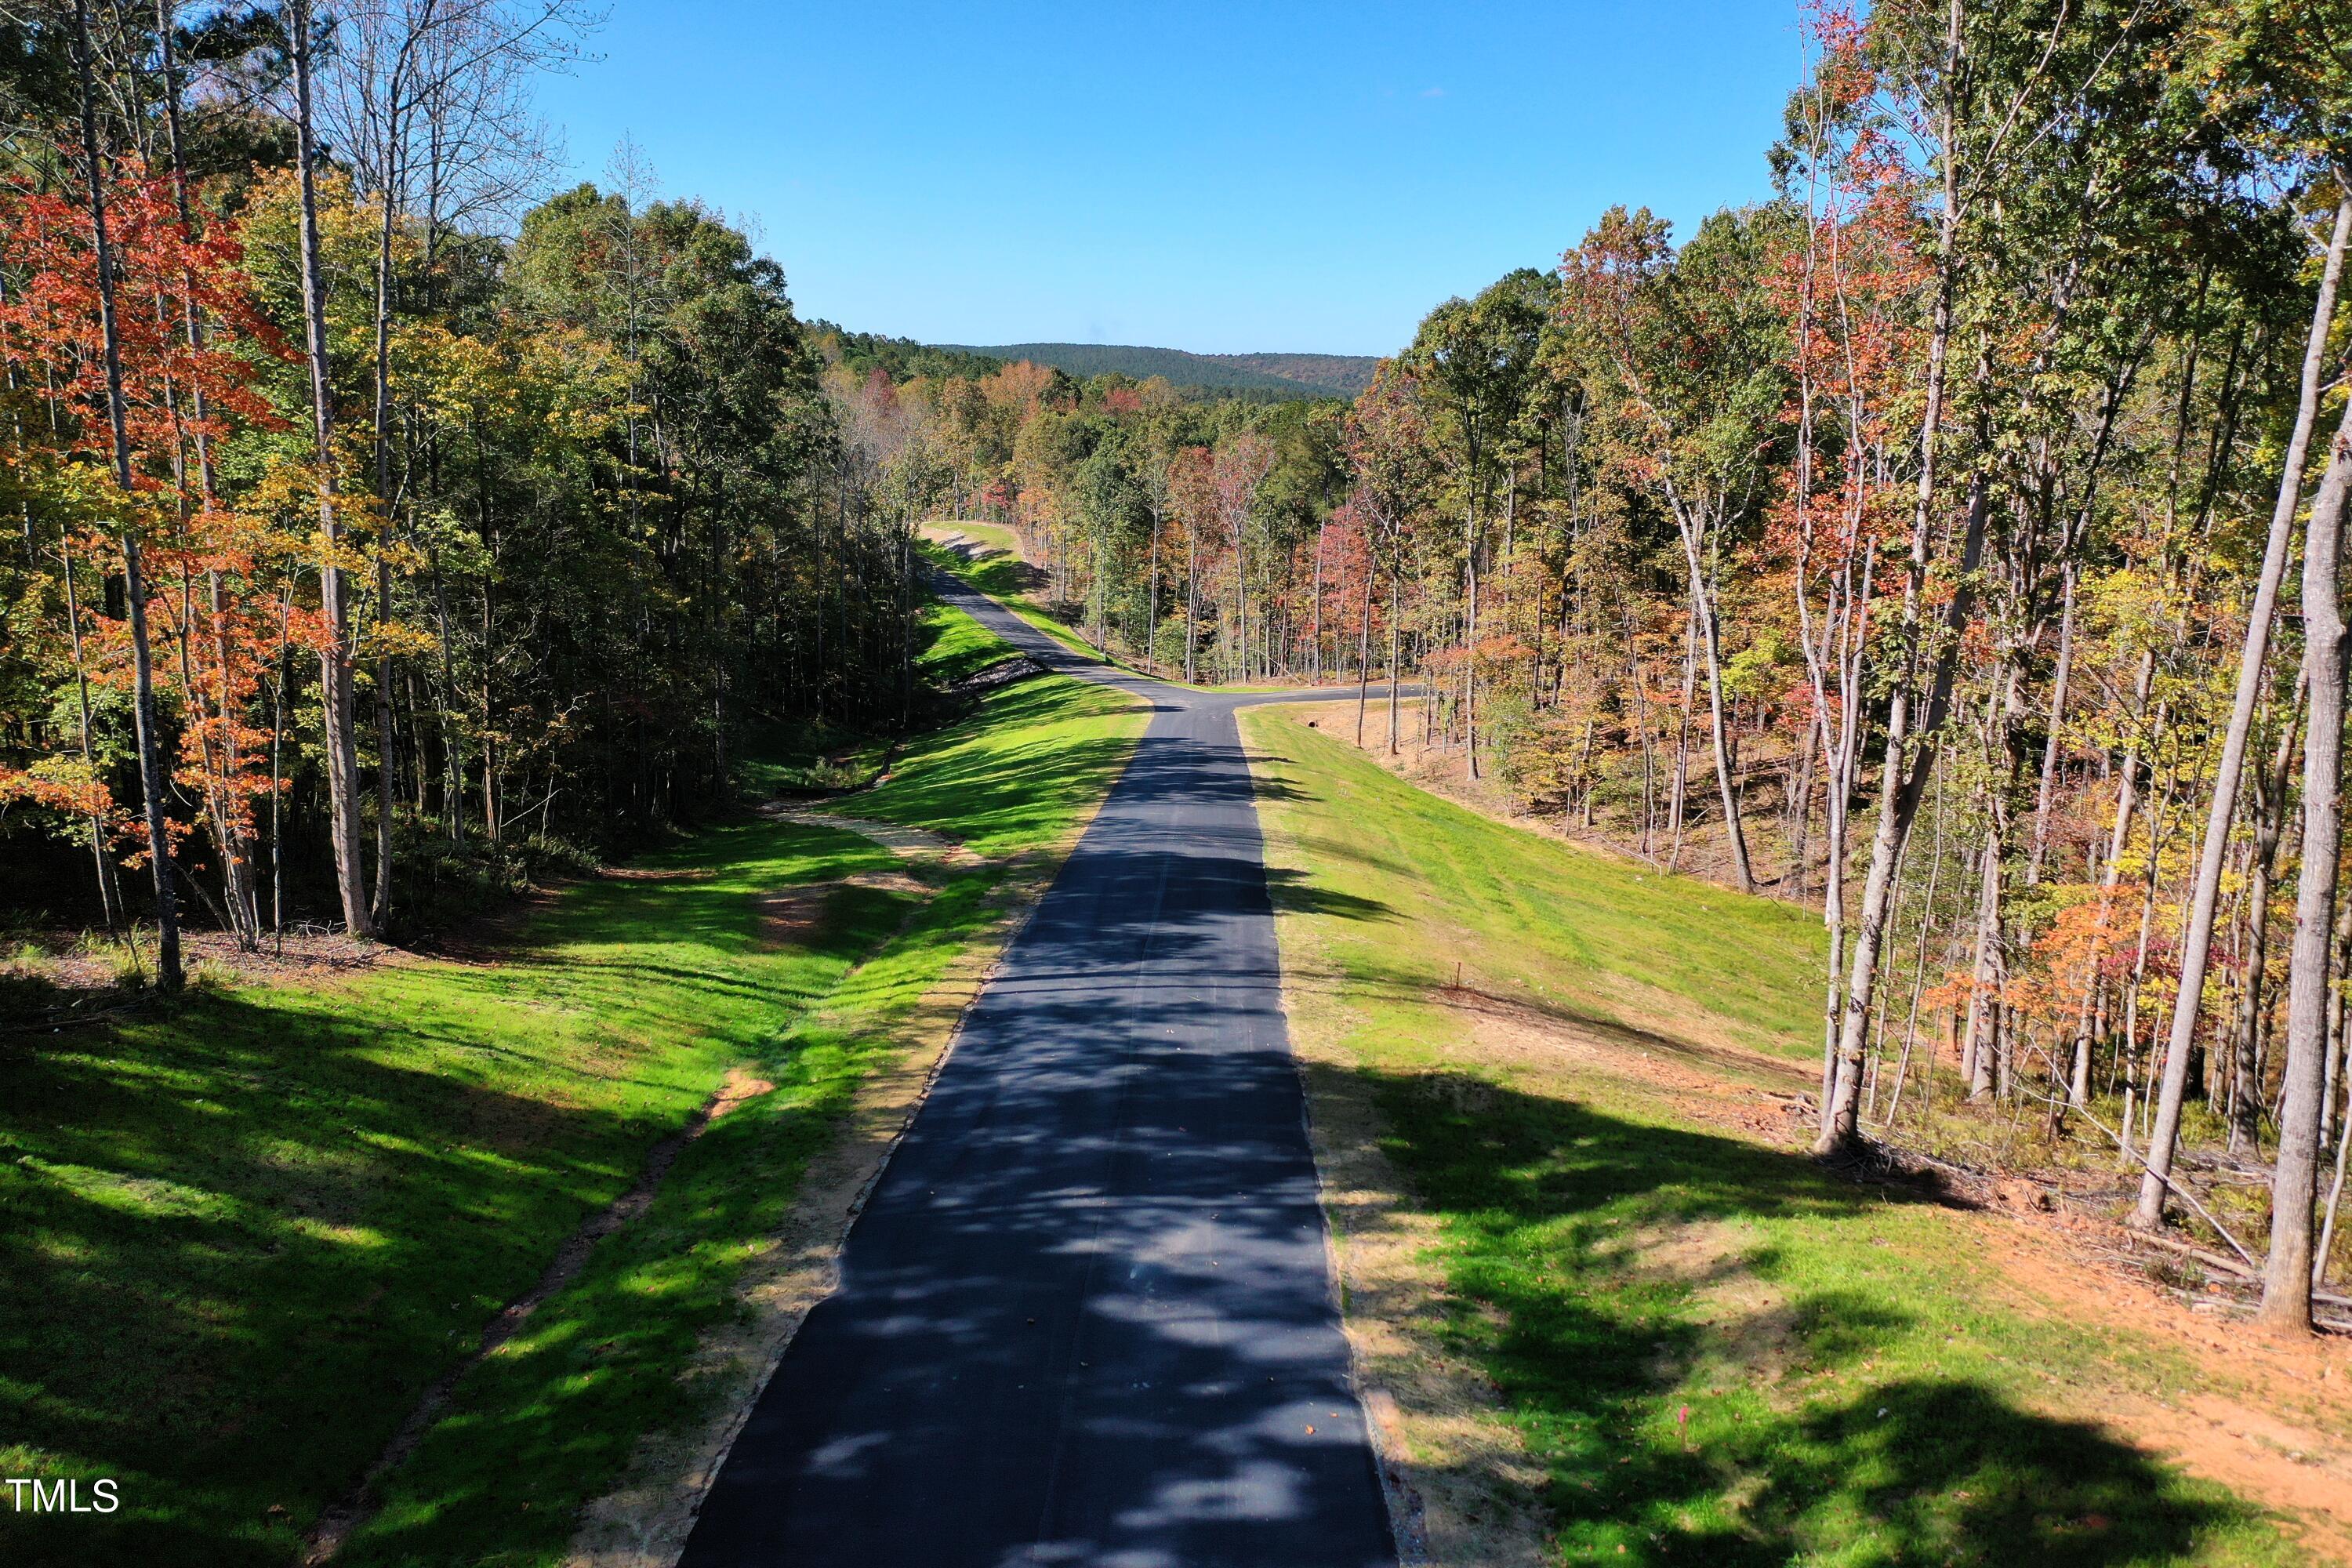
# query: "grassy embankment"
x,y
1706,1348
244,1232
1006,578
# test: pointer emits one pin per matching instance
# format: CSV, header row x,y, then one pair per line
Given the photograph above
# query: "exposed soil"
x,y
336,1524
2269,1418
788,915
2277,1415
302,954
2272,1419
1461,1485
644,1520
84,980
891,836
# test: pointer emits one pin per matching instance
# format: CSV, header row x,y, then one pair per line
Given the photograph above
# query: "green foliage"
x,y
900,359
1715,1351
1275,375
266,1219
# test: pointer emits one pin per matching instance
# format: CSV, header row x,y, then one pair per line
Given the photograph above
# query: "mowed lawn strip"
x,y
239,1236
1713,1351
1004,579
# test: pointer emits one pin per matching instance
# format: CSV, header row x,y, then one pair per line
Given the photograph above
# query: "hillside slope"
x,y
1285,374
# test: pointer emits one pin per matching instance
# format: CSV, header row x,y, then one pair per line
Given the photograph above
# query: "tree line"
x,y
377,529
1952,542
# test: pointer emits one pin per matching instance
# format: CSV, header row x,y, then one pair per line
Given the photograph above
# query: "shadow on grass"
x,y
949,655
237,1245
1000,575
553,1421
1297,890
1005,777
240,1233
1552,1213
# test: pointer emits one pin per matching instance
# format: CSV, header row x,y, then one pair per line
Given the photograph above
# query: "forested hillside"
x,y
365,556
1264,374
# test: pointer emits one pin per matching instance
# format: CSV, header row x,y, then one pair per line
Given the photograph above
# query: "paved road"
x,y
1085,1318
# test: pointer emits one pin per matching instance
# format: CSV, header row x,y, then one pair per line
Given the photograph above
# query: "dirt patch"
x,y
891,836
739,1089
1461,1485
301,953
789,914
1720,1084
2272,1419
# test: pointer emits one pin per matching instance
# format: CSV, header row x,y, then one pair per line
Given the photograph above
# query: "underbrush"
x,y
1710,1347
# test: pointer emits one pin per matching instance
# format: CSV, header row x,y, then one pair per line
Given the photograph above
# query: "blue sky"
x,y
1221,178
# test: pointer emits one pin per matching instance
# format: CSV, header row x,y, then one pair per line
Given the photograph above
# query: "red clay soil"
x,y
2272,1419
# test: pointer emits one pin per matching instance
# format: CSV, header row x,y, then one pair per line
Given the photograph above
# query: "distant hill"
x,y
899,358
1283,375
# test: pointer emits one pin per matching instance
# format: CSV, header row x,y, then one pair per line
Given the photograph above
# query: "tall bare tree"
x,y
2295,1186
2197,941
151,774
336,675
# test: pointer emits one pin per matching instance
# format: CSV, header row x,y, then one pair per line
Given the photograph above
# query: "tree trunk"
x,y
2271,792
1395,587
1192,602
1364,654
1152,600
1900,791
1702,600
2286,1281
1470,625
108,895
380,911
152,773
1679,796
2050,745
1316,654
2197,943
335,677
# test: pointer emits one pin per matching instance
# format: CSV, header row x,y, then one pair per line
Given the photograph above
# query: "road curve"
x,y
1085,1318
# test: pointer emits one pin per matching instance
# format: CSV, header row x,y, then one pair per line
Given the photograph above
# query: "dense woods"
x,y
1951,544
363,555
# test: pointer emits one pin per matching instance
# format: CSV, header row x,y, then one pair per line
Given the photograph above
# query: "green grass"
x,y
956,646
549,1422
240,1234
1715,1351
821,757
1008,779
243,1233
1003,578
1578,934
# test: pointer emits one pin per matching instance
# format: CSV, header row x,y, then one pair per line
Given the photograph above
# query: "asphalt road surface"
x,y
1085,1317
